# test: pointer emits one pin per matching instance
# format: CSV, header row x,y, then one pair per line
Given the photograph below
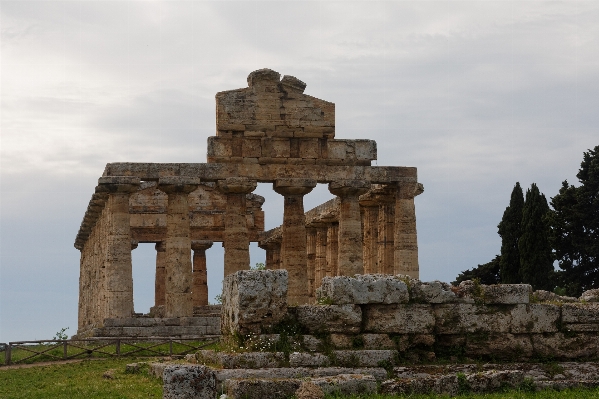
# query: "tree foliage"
x,y
536,259
575,228
510,230
487,273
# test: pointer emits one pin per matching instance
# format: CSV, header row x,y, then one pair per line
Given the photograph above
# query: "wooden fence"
x,y
21,352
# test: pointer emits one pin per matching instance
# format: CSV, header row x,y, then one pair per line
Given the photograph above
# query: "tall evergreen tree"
x,y
575,228
536,259
510,230
487,273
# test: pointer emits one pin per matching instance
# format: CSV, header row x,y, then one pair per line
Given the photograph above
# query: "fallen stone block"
x,y
253,300
363,289
399,319
188,382
490,381
330,318
590,296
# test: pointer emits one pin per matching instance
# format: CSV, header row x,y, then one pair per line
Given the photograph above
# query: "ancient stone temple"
x,y
268,132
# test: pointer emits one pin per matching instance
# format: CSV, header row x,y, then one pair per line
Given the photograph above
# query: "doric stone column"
x,y
370,213
199,287
350,225
332,250
386,237
320,266
160,280
293,244
178,299
276,256
311,252
406,245
236,238
117,301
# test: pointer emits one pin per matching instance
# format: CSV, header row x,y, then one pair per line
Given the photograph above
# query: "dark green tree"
x,y
487,273
510,230
536,258
575,228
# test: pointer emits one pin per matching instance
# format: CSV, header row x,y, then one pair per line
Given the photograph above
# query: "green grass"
x,y
20,354
82,380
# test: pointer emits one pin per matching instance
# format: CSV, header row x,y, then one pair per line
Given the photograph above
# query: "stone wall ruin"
x,y
268,132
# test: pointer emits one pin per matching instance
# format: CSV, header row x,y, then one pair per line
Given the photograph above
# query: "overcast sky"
x,y
476,95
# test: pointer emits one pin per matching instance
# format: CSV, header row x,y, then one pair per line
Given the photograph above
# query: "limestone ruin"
x,y
268,132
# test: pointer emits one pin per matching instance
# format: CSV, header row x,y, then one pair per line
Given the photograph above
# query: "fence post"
x,y
7,356
118,347
64,349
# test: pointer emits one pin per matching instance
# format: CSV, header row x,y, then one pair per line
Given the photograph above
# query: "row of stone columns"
x,y
375,233
179,286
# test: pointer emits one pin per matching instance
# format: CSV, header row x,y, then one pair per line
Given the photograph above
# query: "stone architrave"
x,y
160,280
350,225
118,272
178,276
199,287
293,244
406,245
332,250
236,239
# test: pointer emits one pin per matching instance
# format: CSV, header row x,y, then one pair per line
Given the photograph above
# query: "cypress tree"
x,y
510,231
575,228
536,259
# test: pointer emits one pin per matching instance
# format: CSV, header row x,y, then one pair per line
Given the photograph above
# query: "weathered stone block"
x,y
188,382
303,359
580,313
340,150
507,294
377,341
562,346
219,147
500,346
280,148
365,149
347,384
280,388
330,318
249,360
251,148
431,292
534,318
493,380
342,341
365,358
399,319
252,300
309,148
590,296
462,318
364,289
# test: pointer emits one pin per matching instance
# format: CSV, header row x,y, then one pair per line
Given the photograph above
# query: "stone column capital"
x,y
409,190
117,184
293,186
201,245
236,185
178,184
346,188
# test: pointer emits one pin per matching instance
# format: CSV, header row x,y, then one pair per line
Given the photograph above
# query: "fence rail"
x,y
21,352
